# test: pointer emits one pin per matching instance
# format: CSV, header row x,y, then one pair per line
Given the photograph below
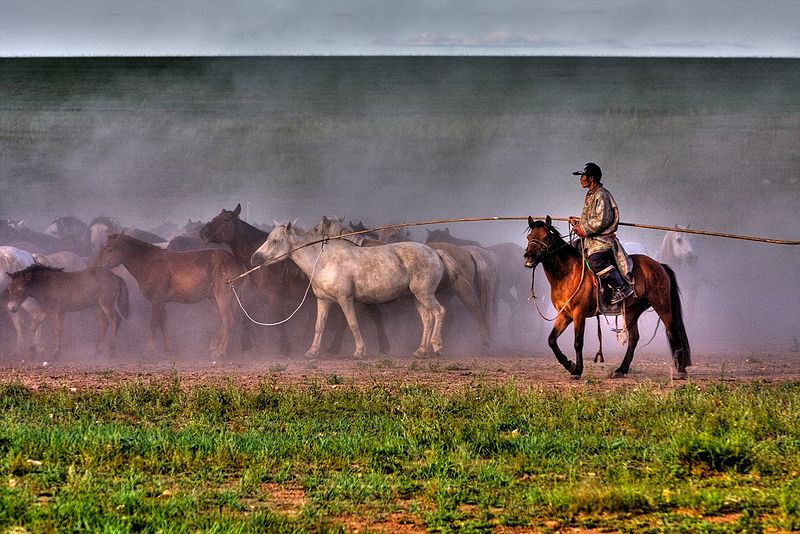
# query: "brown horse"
x,y
59,292
167,276
574,295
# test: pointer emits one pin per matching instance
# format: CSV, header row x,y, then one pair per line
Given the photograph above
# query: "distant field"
x,y
294,135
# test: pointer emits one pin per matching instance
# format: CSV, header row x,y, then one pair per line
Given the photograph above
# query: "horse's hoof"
x,y
310,354
575,377
617,374
680,375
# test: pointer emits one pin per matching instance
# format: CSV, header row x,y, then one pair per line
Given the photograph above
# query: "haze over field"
x,y
707,142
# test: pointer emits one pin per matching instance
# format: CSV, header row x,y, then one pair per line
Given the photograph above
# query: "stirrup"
x,y
618,295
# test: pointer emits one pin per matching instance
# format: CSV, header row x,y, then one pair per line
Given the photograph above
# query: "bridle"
x,y
544,249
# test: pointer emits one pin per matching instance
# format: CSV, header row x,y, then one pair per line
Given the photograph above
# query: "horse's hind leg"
x,y
599,356
427,329
375,313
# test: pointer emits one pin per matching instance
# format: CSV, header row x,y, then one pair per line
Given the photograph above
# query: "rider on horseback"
x,y
597,226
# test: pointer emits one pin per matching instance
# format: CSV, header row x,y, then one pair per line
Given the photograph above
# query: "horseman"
x,y
597,228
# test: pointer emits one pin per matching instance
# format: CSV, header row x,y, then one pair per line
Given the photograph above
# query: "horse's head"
x,y
22,283
678,249
113,252
394,235
18,289
333,226
542,237
438,236
282,239
222,228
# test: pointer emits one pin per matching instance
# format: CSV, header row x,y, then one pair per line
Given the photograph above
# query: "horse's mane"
x,y
36,268
132,240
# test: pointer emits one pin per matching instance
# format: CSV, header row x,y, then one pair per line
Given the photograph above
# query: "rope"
x,y
310,279
525,218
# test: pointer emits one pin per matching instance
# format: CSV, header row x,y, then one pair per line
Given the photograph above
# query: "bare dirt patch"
x,y
446,374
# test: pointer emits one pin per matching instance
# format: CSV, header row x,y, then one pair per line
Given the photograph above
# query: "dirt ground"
x,y
446,373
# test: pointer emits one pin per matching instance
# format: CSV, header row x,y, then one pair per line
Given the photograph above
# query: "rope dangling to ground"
x,y
305,294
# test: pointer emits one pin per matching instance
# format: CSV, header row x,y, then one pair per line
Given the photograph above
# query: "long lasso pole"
x,y
523,218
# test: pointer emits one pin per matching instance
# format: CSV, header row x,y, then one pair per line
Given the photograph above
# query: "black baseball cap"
x,y
590,169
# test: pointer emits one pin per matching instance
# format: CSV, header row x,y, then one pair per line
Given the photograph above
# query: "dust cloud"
x,y
710,143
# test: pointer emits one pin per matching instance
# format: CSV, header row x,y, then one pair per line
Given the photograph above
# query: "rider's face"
x,y
586,181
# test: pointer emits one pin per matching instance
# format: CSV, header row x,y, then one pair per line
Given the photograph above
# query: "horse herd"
x,y
68,268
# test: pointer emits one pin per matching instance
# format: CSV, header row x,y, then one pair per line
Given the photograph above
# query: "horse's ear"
x,y
530,222
237,210
325,220
548,221
447,230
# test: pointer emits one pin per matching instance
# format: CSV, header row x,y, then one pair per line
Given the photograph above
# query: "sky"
x,y
680,28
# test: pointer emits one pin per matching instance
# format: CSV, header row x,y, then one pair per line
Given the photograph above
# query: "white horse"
x,y
343,273
13,259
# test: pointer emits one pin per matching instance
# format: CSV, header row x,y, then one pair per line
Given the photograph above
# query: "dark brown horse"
x,y
59,292
574,294
186,277
274,283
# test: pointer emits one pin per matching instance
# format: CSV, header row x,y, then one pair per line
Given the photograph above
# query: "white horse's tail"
x,y
452,272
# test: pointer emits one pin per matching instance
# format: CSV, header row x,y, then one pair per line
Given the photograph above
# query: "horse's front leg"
x,y
579,328
225,309
59,329
561,323
102,321
349,310
323,309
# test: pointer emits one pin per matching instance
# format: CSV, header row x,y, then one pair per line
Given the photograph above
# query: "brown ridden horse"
x,y
59,292
574,294
167,276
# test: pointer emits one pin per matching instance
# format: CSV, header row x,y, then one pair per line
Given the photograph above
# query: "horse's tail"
x,y
484,287
451,269
123,299
681,349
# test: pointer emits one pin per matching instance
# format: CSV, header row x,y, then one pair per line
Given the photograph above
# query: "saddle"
x,y
604,298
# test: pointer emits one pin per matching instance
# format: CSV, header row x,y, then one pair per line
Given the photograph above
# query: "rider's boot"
x,y
620,288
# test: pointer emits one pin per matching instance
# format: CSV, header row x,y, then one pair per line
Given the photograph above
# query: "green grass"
x,y
163,457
